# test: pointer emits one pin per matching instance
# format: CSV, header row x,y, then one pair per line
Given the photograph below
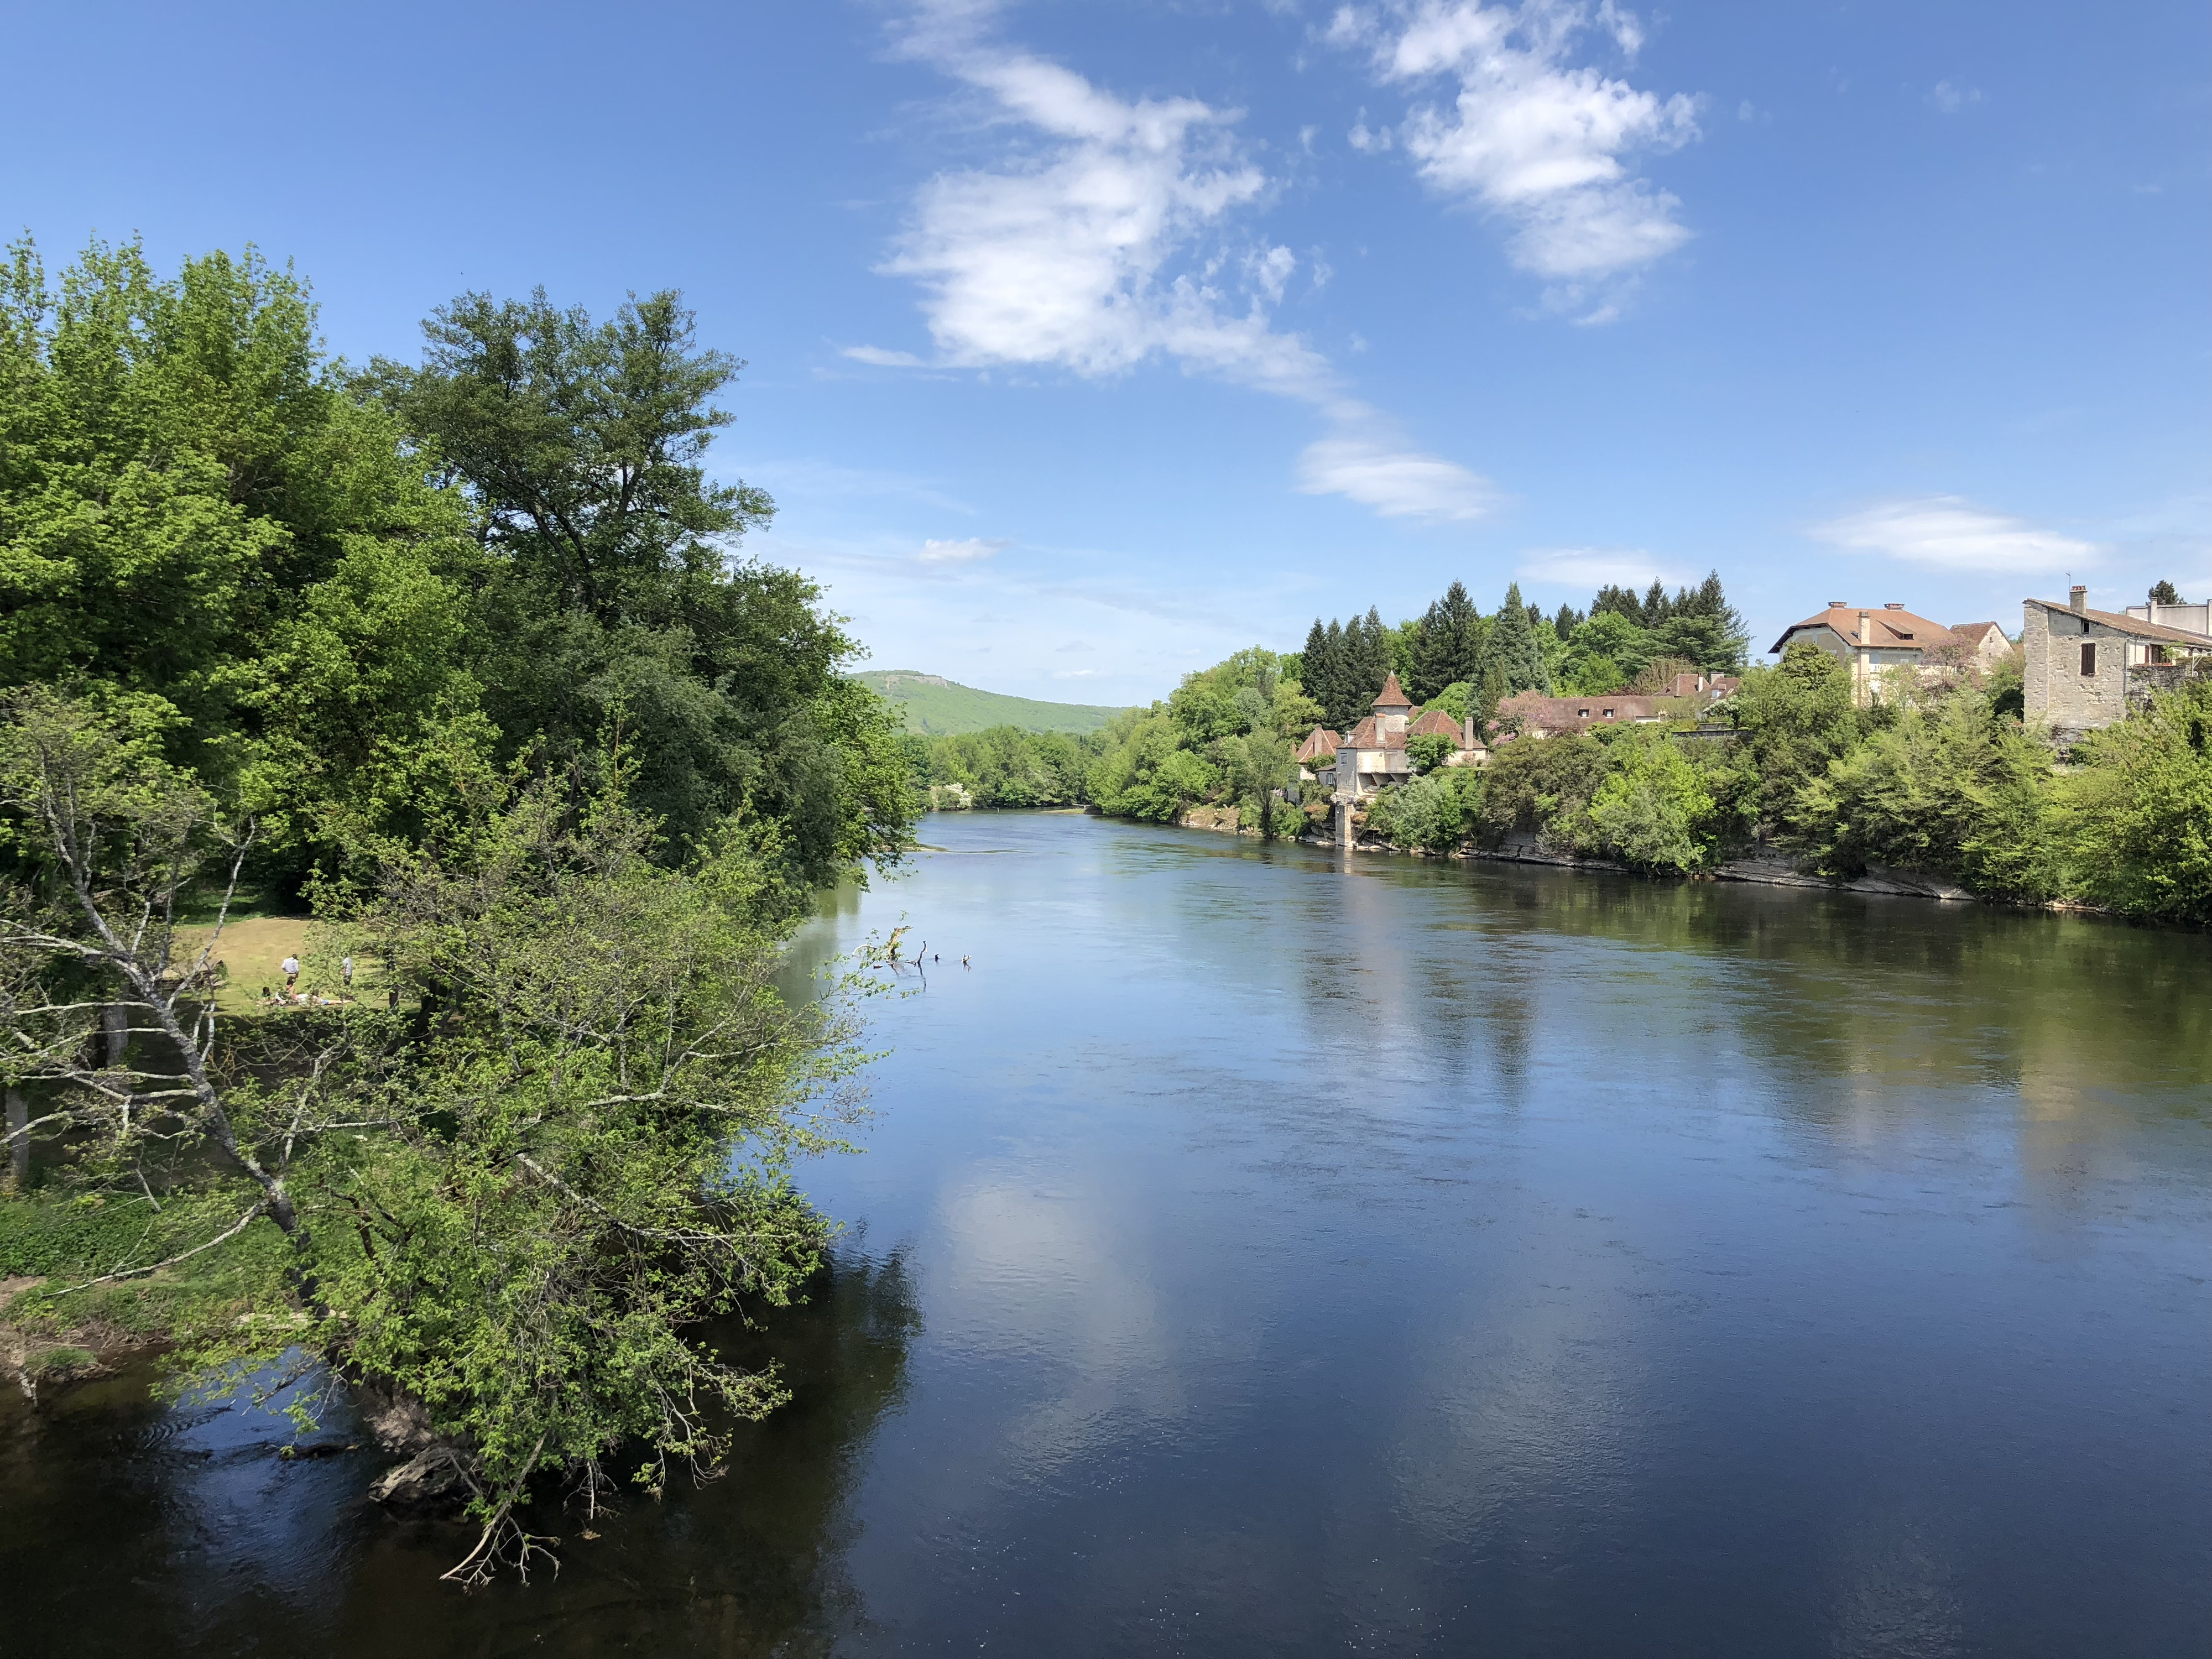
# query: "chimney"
x,y
2077,599
1893,605
1866,628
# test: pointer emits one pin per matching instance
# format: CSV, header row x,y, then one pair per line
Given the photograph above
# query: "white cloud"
x,y
1109,235
1594,568
1395,482
969,549
1529,137
883,359
1085,250
1949,97
1948,531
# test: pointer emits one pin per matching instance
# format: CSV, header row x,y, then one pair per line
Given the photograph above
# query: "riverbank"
x,y
1768,869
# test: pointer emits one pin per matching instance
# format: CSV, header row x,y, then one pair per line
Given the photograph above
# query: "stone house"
x,y
1874,643
1373,753
2081,669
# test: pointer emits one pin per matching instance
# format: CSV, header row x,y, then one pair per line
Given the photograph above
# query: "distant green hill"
x,y
936,707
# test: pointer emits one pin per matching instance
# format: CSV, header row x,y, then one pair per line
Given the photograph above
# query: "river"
x,y
1265,1251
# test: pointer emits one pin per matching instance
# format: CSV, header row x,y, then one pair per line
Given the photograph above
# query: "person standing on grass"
x,y
345,972
291,966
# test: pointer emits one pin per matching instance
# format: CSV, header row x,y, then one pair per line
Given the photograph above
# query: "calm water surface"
x,y
1263,1254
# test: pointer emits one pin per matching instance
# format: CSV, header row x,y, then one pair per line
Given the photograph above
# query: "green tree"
x,y
2142,835
1654,809
199,519
1604,653
1429,752
1450,646
1792,722
1949,787
1542,786
1514,651
507,1212
1256,764
614,600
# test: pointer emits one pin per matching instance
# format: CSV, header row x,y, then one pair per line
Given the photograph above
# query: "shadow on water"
x,y
162,1531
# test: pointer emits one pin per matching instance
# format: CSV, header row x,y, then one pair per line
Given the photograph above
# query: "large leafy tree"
x,y
616,602
201,530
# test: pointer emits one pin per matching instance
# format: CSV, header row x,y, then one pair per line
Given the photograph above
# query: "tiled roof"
x,y
1391,697
1540,713
1894,627
1319,742
1434,724
2134,625
1370,734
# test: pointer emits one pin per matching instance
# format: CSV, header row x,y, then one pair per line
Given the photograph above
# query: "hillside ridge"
x,y
937,707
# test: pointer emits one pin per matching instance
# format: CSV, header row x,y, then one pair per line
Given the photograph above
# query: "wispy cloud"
x,y
1948,531
1594,568
1531,137
970,550
1950,97
1114,231
1396,482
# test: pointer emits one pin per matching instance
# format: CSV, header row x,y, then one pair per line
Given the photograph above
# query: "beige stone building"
x,y
1876,642
2082,668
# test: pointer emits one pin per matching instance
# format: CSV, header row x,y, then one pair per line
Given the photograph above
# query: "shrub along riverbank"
x,y
1945,783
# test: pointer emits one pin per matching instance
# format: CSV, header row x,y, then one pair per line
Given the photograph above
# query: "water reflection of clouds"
x,y
1044,1281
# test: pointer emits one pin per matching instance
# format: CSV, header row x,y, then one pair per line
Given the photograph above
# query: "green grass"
x,y
937,707
68,1240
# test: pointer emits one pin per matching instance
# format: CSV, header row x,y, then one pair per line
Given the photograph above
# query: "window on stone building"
x,y
2089,661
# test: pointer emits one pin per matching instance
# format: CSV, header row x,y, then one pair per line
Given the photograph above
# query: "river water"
x,y
1265,1251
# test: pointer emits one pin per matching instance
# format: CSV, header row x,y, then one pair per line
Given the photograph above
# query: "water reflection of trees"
x,y
1855,1011
749,1565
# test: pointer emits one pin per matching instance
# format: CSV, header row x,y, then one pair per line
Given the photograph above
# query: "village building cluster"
x,y
2080,670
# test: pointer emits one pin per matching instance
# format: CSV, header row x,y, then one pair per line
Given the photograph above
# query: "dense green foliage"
x,y
1944,783
463,653
1007,766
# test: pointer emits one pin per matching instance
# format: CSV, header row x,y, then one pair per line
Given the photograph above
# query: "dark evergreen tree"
x,y
1513,650
1567,621
1367,648
1343,675
1315,671
1621,601
1451,646
1657,606
2165,592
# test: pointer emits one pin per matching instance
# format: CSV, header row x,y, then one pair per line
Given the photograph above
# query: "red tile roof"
x,y
1370,734
1319,742
1391,697
1434,724
1893,628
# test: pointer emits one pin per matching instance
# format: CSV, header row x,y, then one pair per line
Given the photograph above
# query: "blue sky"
x,y
1090,341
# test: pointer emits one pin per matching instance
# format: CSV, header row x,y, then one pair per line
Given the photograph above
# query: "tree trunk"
x,y
116,1018
19,1147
